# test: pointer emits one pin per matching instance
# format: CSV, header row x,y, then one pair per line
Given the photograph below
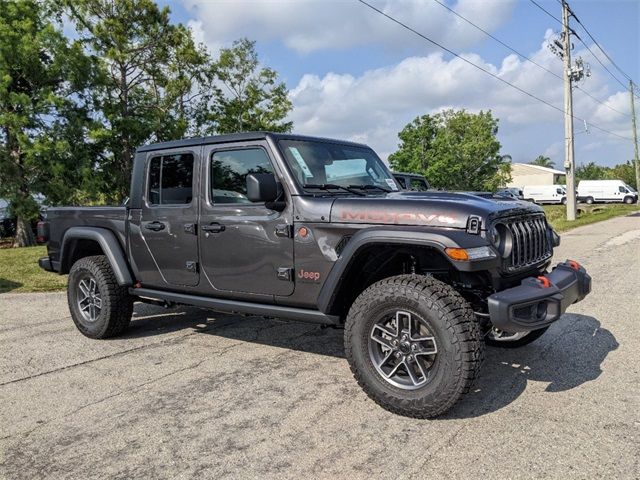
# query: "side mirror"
x,y
262,187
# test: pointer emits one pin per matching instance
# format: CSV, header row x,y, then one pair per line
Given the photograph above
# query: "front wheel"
x,y
413,345
628,200
99,307
499,338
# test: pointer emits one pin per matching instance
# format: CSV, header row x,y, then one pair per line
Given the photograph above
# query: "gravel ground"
x,y
189,393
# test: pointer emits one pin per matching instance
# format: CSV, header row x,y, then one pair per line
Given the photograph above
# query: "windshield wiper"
x,y
331,186
370,187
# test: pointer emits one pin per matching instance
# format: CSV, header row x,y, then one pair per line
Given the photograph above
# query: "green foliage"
x,y
149,80
455,150
247,97
543,161
42,111
623,171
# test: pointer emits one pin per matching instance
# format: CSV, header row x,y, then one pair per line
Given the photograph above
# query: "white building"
x,y
524,174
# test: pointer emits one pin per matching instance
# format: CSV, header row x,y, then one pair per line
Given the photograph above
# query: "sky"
x,y
353,74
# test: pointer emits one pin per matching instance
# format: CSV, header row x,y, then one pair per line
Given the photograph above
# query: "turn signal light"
x,y
459,254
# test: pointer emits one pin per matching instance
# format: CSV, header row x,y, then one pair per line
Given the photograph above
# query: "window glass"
x,y
400,180
229,170
316,162
171,180
154,181
622,190
559,190
419,185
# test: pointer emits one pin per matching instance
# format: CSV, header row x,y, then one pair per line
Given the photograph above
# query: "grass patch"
x,y
19,271
556,214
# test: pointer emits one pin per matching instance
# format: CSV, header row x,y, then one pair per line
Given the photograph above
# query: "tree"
x,y
42,114
543,161
150,81
591,171
249,97
625,172
455,150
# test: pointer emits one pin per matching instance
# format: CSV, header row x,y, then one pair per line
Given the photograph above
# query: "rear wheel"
x,y
413,345
499,338
100,308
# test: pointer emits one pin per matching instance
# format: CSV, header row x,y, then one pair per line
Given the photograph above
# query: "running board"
x,y
235,306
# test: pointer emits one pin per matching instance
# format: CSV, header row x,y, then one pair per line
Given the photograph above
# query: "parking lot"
x,y
191,393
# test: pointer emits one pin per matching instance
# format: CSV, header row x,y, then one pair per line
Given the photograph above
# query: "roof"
x,y
541,169
238,137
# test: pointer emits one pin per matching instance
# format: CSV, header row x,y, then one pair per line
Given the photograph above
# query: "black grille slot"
x,y
342,243
530,244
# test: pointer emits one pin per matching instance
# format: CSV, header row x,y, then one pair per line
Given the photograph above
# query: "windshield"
x,y
325,164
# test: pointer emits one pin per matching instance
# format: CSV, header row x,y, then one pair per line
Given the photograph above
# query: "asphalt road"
x,y
193,394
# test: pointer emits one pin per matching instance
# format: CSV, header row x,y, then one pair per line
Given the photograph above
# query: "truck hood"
x,y
434,209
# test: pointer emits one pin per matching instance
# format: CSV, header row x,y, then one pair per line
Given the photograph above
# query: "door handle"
x,y
155,226
213,228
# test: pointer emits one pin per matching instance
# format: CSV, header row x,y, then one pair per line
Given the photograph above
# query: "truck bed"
x,y
60,219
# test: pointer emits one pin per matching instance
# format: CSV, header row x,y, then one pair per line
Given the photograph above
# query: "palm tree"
x,y
543,161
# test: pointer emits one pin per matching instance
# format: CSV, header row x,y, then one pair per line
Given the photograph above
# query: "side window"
x,y
419,185
229,170
171,180
559,190
400,180
622,190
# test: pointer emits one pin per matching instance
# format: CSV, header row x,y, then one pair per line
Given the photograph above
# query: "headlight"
x,y
494,236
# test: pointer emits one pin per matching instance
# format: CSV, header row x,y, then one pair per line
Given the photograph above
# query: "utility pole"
x,y
569,162
636,160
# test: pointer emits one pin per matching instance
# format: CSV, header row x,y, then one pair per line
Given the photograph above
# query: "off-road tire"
x,y
117,304
451,321
521,342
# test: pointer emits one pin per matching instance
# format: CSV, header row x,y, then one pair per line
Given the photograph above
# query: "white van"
x,y
591,191
545,194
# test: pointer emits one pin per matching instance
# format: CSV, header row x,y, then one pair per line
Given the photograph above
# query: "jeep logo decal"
x,y
304,275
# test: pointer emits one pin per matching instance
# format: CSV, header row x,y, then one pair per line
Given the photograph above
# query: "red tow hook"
x,y
573,264
544,281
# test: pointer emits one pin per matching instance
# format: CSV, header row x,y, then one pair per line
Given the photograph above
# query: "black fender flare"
x,y
437,238
109,244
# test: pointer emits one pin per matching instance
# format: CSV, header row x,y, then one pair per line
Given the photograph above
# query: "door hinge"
x,y
285,273
192,266
284,230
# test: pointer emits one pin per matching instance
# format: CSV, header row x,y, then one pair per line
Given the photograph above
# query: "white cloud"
x,y
309,25
374,106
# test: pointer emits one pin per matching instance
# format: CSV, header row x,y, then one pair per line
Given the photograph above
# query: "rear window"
x,y
170,180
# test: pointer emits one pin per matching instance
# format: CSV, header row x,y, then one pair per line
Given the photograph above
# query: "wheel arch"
x,y
379,249
80,242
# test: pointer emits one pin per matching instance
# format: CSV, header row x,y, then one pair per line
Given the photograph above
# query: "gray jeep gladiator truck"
x,y
317,230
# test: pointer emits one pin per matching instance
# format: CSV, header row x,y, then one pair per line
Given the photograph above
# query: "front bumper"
x,y
538,302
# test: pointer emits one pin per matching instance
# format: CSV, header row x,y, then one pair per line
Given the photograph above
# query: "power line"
x,y
601,49
407,27
524,57
546,11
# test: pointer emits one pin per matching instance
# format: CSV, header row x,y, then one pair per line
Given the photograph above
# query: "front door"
x,y
244,247
169,216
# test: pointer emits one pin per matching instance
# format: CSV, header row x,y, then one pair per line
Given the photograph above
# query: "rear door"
x,y
169,215
244,247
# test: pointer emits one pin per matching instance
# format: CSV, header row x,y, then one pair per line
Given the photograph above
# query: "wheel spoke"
x,y
385,359
394,369
403,322
412,374
84,288
428,346
378,338
97,302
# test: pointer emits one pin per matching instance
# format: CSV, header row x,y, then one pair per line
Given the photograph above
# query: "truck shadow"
x,y
568,355
8,285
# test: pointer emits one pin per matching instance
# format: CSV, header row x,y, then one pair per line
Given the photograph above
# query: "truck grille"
x,y
530,244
